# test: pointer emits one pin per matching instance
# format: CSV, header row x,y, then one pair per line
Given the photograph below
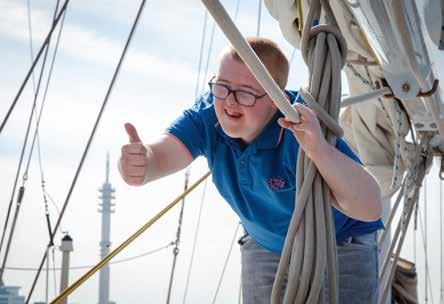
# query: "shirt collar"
x,y
270,136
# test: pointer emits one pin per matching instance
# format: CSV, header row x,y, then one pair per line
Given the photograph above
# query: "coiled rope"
x,y
310,246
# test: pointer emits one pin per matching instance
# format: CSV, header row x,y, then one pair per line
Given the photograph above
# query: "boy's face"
x,y
238,121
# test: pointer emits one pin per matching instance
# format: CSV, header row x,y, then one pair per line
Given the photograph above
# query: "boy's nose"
x,y
231,100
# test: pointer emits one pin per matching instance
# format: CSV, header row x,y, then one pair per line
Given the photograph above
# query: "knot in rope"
x,y
332,32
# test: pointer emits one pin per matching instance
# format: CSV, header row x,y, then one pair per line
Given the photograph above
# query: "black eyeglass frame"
x,y
256,97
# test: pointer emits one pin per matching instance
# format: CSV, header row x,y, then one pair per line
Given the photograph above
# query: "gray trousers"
x,y
357,264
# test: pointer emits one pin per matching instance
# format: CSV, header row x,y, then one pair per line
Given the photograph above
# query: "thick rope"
x,y
310,246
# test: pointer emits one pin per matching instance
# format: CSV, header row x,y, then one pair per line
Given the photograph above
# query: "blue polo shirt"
x,y
259,181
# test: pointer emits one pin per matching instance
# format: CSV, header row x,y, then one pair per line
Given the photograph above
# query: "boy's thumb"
x,y
132,133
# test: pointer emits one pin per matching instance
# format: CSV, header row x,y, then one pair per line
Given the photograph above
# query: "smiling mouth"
x,y
233,115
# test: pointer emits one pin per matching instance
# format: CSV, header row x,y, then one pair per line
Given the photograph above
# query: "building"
x,y
10,295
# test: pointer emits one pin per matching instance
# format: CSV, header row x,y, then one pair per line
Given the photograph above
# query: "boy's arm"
x,y
355,192
140,164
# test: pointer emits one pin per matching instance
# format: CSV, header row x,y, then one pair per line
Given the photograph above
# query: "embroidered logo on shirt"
x,y
276,183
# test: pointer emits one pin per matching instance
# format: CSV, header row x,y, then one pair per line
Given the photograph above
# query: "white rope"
x,y
396,125
365,97
397,159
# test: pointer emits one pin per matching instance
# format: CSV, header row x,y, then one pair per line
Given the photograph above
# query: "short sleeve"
x,y
342,146
189,129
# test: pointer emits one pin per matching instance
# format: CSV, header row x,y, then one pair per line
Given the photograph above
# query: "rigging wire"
x,y
56,207
210,49
292,56
259,17
105,101
25,175
47,280
135,257
236,12
54,273
196,232
428,281
426,299
30,40
202,43
415,228
239,300
42,48
226,263
440,243
178,234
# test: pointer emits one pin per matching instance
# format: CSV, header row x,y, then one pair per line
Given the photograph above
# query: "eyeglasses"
x,y
243,98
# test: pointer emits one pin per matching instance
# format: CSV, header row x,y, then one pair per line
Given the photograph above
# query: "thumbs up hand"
x,y
133,162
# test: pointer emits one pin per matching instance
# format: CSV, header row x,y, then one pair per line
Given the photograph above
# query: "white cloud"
x,y
89,46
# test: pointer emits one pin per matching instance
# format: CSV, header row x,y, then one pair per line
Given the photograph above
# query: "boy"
x,y
252,153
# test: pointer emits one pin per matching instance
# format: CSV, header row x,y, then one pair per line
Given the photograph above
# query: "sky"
x,y
157,81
